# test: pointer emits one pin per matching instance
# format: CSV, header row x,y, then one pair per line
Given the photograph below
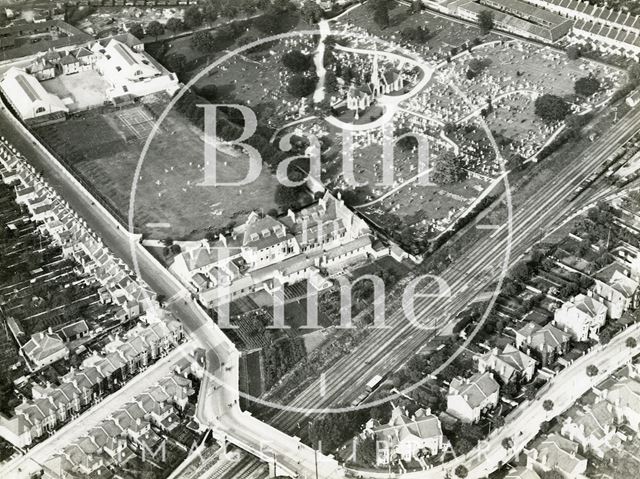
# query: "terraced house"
x,y
80,388
136,428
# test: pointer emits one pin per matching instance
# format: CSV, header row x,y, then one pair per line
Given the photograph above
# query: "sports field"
x,y
170,201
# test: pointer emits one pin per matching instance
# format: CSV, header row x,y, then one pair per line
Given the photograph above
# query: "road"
x,y
95,415
385,350
523,424
238,427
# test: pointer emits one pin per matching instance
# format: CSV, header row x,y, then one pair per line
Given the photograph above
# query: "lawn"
x,y
169,200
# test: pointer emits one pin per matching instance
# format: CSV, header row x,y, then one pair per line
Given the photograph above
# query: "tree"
x,y
419,34
485,21
176,62
202,41
311,12
507,443
209,92
296,61
586,86
415,7
461,471
380,12
174,25
547,405
366,451
136,30
631,343
545,427
592,370
301,86
605,336
551,108
633,73
448,170
287,196
229,10
155,29
479,64
573,52
211,10
192,17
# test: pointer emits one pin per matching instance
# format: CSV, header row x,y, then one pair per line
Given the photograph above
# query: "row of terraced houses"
x,y
121,358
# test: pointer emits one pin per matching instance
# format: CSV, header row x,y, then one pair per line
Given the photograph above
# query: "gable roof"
x,y
43,345
557,452
476,389
423,425
626,393
544,338
522,473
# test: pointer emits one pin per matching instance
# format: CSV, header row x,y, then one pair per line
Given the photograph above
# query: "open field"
x,y
169,200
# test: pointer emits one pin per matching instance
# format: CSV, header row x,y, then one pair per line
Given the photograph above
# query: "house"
x,y
269,253
469,398
625,397
542,343
131,72
581,317
522,473
42,69
513,16
557,453
608,30
16,430
69,64
593,428
266,241
408,436
86,58
616,290
44,348
28,98
510,365
75,330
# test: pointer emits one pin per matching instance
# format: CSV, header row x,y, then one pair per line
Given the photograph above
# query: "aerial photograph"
x,y
319,239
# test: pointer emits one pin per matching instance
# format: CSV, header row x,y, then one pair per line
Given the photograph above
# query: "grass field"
x,y
169,200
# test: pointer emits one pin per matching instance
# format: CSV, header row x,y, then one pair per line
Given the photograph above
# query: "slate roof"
x,y
545,338
43,345
477,388
557,452
401,427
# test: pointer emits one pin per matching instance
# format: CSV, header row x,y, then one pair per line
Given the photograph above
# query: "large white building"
x,y
581,317
131,72
268,253
28,98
